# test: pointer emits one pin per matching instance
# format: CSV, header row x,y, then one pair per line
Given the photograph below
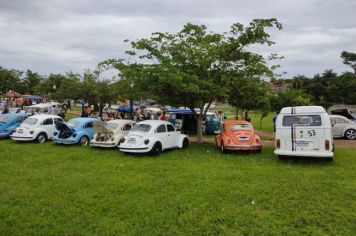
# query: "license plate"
x,y
243,138
303,144
20,131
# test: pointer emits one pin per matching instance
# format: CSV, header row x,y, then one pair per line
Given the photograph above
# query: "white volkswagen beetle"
x,y
343,127
37,127
153,136
109,134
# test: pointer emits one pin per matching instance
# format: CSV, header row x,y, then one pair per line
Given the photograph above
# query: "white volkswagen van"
x,y
304,131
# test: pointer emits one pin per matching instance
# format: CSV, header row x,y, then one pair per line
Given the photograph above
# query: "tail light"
x,y
327,144
278,143
257,140
32,131
146,141
122,140
14,130
228,141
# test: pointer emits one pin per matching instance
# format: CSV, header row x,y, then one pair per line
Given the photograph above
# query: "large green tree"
x,y
349,59
194,66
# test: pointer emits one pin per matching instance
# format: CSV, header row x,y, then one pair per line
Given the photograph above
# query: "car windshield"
x,y
74,123
302,120
30,121
235,127
215,118
4,119
141,127
112,126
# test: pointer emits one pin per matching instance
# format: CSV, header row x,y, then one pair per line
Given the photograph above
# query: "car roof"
x,y
84,119
303,110
121,121
155,123
230,122
44,116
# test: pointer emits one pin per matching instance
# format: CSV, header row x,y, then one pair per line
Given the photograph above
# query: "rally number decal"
x,y
311,132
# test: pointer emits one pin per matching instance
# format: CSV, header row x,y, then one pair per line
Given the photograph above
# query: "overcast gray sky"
x,y
56,36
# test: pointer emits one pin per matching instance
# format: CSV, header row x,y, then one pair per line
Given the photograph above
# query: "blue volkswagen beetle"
x,y
75,131
10,121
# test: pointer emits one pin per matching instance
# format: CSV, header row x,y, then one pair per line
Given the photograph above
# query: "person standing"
x,y
85,112
164,116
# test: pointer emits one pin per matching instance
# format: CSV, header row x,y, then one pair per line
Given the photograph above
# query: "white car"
x,y
153,136
343,127
38,127
110,133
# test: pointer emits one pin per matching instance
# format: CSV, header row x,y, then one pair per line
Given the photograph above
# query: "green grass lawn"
x,y
59,190
267,123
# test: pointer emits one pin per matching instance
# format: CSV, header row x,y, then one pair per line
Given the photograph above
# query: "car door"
x,y
89,129
49,126
172,138
339,126
162,136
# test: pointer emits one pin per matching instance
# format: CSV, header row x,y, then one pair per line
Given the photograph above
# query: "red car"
x,y
238,135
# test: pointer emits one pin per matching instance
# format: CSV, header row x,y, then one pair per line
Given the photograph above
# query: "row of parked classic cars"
x,y
300,131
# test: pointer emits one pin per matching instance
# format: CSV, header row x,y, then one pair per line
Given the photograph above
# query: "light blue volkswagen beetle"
x,y
75,131
10,121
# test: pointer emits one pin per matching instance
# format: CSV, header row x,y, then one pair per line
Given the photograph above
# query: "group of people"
x,y
140,114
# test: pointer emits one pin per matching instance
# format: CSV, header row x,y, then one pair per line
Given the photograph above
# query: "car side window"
x,y
57,120
126,127
89,125
170,128
48,121
161,129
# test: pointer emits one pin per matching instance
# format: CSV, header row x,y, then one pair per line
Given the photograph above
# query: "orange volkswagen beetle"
x,y
238,135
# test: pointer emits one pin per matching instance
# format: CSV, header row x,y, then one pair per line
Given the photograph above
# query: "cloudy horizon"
x,y
59,36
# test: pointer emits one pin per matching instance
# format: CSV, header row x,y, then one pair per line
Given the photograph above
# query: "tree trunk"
x,y
200,129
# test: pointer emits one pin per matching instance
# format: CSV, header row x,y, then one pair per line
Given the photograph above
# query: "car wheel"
x,y
185,143
41,138
350,134
84,141
157,149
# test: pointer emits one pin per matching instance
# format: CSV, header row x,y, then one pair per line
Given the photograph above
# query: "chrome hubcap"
x,y
83,141
41,139
351,134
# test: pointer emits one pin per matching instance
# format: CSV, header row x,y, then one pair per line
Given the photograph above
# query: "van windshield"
x,y
302,120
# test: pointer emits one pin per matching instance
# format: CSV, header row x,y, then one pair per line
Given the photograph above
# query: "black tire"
x,y
185,143
280,157
350,134
329,159
84,141
156,149
41,138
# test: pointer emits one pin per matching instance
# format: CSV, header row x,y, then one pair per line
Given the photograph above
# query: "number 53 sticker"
x,y
311,132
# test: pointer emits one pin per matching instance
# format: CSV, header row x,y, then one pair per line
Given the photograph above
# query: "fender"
x,y
180,140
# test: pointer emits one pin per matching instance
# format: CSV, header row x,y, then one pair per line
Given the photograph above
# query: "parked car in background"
x,y
153,136
75,131
343,127
9,122
52,108
183,119
110,133
238,135
38,127
304,131
345,113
